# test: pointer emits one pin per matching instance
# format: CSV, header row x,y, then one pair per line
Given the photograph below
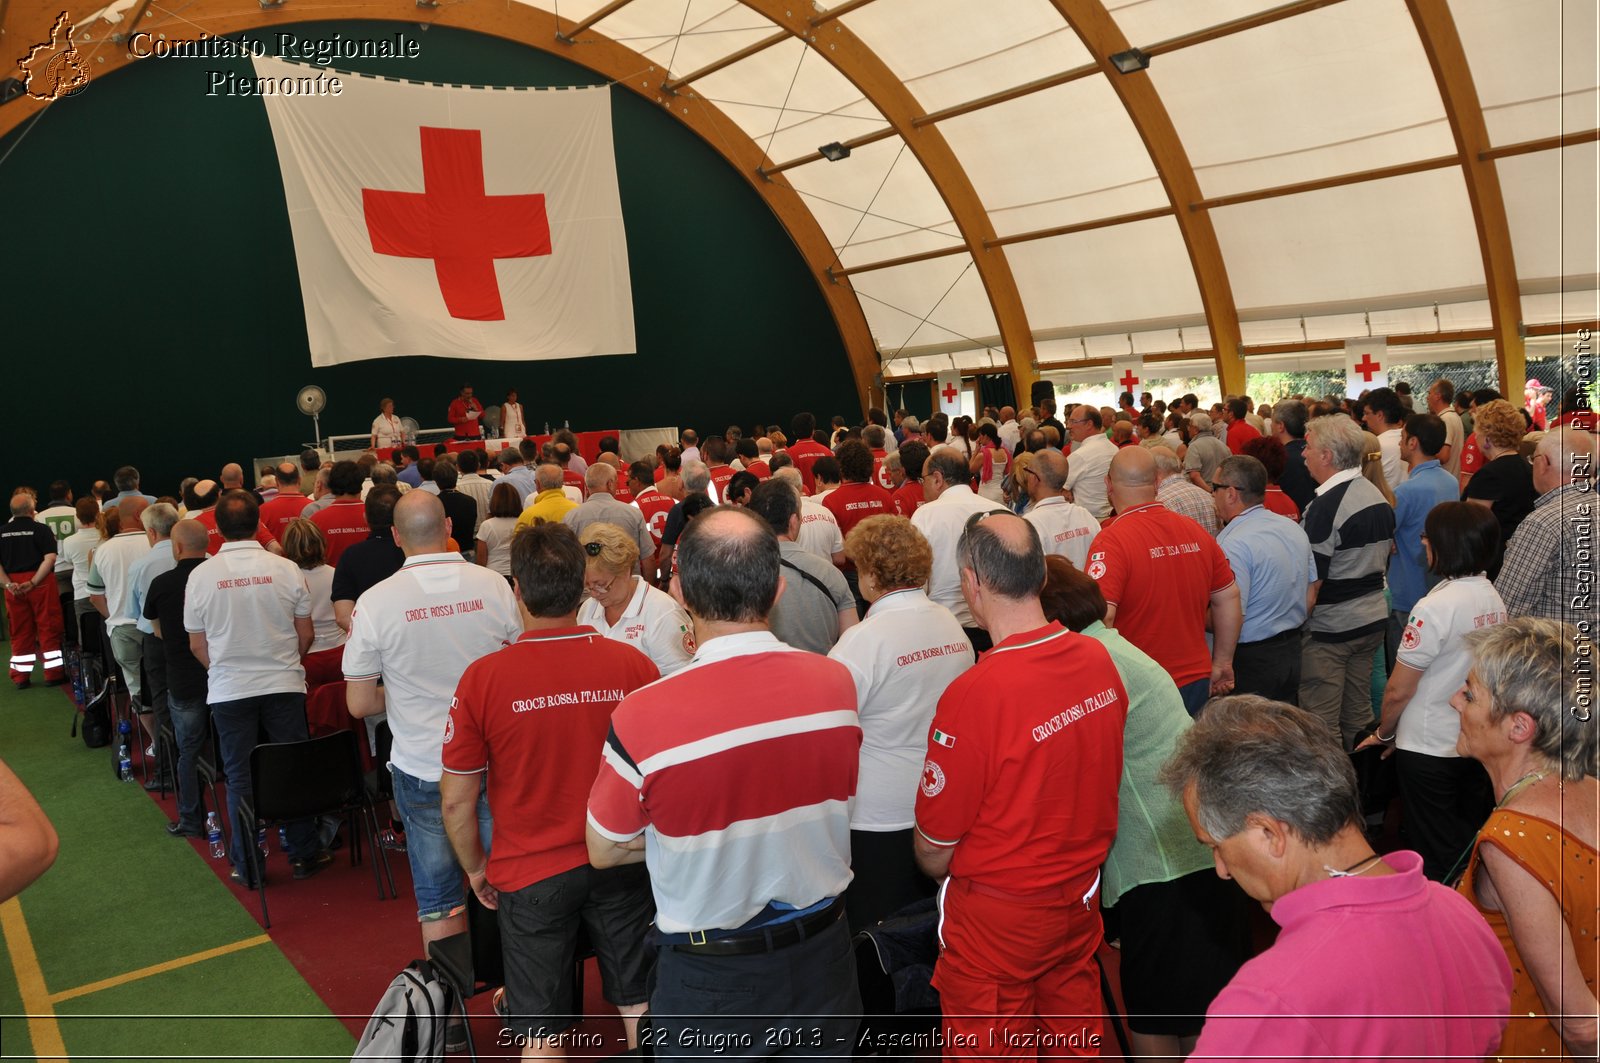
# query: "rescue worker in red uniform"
x,y
33,608
466,415
1017,810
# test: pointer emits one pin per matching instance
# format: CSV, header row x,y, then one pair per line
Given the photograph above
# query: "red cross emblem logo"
x,y
1128,381
1366,367
950,393
457,224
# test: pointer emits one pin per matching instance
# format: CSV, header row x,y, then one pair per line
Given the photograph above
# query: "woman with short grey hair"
x,y
1531,724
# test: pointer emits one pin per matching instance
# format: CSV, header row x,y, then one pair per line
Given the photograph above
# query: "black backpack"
x,y
95,719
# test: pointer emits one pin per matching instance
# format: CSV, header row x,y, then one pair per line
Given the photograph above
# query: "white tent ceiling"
x,y
1329,90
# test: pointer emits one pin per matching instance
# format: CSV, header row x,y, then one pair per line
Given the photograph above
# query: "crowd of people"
x,y
727,703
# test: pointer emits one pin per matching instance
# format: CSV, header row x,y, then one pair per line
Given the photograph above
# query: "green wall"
x,y
153,315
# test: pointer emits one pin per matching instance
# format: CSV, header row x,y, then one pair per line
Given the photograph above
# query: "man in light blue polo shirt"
x,y
126,481
158,522
1272,562
1428,484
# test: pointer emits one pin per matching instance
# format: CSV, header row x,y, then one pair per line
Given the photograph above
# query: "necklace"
x,y
1351,872
1526,781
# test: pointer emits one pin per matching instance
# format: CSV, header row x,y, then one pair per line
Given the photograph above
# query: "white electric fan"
x,y
311,401
409,429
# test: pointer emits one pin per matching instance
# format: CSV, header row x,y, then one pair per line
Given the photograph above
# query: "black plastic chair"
x,y
470,962
304,780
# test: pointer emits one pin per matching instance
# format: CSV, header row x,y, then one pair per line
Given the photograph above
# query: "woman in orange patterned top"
x,y
1532,873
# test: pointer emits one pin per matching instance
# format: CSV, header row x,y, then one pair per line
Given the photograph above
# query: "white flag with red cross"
x,y
1366,365
1127,374
455,222
948,385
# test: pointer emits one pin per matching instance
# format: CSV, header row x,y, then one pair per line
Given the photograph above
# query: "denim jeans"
x,y
189,729
283,717
436,877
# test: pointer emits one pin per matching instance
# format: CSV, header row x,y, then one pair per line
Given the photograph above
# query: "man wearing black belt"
x,y
739,805
1272,563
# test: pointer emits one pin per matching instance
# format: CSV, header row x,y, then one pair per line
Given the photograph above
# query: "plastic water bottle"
x,y
124,728
547,428
261,839
214,836
124,764
283,839
566,425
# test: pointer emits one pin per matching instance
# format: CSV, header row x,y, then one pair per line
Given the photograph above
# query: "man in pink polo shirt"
x,y
1373,961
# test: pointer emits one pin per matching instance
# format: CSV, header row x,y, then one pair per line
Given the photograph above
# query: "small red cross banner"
x,y
1366,365
948,387
1127,374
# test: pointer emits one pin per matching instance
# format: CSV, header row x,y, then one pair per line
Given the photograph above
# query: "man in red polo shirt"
x,y
466,415
1017,810
908,496
344,522
1240,431
714,451
1160,572
856,499
804,450
287,504
201,501
874,436
530,719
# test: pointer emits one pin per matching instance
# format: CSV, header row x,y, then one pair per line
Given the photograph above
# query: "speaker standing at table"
x,y
387,431
466,414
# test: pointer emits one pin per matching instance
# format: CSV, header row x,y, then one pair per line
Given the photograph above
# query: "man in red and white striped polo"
x,y
739,806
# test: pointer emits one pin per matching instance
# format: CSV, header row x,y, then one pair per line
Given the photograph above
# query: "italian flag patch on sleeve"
x,y
943,739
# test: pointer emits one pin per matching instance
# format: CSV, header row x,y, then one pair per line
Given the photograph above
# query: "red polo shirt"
x,y
907,497
277,513
880,475
343,524
851,504
804,453
535,716
1024,760
759,469
1240,433
214,539
720,475
1159,569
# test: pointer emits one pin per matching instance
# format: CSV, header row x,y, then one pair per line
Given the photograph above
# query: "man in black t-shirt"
x,y
186,677
371,561
33,609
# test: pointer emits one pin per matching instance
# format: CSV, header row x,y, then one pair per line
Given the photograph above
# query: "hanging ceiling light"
x,y
1130,61
834,152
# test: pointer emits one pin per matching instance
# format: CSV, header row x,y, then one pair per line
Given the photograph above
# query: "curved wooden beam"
x,y
1441,41
871,76
1100,34
524,25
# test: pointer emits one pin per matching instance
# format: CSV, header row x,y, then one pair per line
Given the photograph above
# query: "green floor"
x,y
121,897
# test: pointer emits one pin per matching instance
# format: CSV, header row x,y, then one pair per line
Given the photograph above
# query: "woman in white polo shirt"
x,y
1444,796
902,656
624,607
305,545
386,428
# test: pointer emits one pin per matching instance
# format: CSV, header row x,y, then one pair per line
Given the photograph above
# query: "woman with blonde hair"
x,y
1372,466
1529,720
622,606
304,544
1504,482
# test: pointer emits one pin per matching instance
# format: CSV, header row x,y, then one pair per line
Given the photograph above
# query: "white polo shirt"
x,y
1432,643
1064,528
1454,438
1395,469
108,574
417,631
941,522
651,623
245,600
819,530
902,657
76,549
1087,466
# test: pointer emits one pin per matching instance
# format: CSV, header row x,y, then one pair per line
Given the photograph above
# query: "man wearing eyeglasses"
x,y
1091,458
1272,562
1064,527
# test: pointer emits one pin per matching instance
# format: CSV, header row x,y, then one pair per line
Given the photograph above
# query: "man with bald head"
x,y
33,606
741,805
1018,806
417,631
186,677
206,494
1541,575
1161,574
1064,527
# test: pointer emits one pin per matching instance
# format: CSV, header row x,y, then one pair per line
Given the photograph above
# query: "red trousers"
x,y
35,628
1016,974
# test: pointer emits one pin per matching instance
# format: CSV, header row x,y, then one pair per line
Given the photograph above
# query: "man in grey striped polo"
x,y
1351,528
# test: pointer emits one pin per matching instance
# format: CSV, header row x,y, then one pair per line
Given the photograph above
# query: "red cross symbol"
x,y
1366,367
1129,381
950,394
455,223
